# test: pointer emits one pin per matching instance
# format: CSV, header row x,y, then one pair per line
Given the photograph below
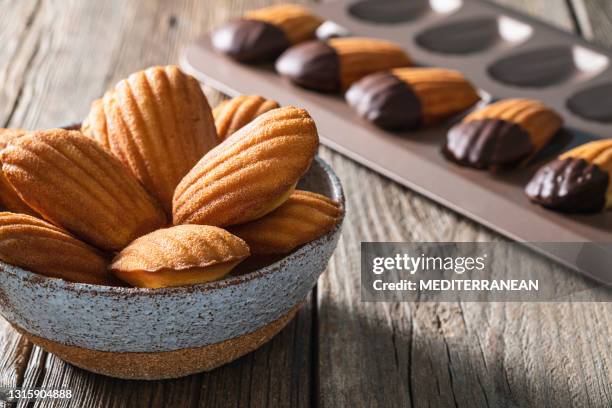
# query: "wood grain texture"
x,y
58,56
555,12
450,354
595,18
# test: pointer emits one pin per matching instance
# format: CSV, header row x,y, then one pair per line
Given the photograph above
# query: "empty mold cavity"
x,y
593,103
473,35
548,66
399,11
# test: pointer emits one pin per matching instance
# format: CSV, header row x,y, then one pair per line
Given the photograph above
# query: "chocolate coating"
x,y
569,185
487,143
313,65
250,40
386,101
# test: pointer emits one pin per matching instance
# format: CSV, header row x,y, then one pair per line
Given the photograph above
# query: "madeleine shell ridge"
x,y
43,248
94,126
9,198
179,255
74,182
233,114
304,217
7,135
251,173
159,125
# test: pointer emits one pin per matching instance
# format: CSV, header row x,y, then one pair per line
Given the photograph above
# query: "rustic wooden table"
x,y
57,56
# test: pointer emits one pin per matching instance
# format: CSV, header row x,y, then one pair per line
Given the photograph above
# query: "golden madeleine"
x,y
9,198
180,255
159,124
251,173
304,217
8,135
234,113
94,126
74,182
36,245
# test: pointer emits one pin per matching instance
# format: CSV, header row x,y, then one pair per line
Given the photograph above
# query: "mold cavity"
x,y
389,11
461,37
473,35
593,103
548,66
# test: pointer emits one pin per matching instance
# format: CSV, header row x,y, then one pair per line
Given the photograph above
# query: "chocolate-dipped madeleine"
x,y
263,34
335,65
502,134
405,98
577,182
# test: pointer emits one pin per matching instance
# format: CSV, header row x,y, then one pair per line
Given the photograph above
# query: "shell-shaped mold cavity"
x,y
400,11
543,67
473,35
593,103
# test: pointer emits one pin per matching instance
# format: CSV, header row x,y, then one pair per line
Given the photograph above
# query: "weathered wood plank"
x,y
18,41
554,12
59,57
14,357
595,17
19,38
278,374
450,354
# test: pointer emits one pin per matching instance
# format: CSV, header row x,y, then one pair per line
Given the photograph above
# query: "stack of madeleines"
x,y
157,190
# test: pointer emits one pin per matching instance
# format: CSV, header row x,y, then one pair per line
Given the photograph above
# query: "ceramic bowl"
x,y
138,333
